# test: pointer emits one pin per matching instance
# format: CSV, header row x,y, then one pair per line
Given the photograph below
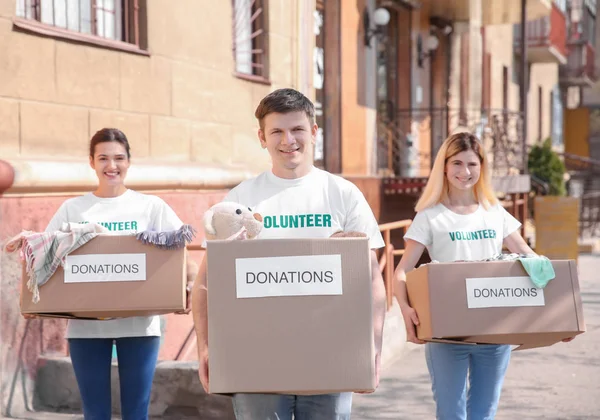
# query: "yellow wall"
x,y
577,130
182,104
499,42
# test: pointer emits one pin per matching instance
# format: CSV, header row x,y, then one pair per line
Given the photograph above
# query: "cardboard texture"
x,y
302,344
438,293
162,291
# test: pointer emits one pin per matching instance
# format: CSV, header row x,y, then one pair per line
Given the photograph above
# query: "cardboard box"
x,y
269,332
111,277
495,302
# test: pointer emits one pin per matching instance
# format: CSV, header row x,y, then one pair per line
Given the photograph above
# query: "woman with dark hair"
x,y
137,339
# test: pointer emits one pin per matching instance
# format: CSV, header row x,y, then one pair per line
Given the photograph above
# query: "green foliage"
x,y
547,166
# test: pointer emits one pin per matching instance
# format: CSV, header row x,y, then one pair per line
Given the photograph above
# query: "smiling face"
x,y
463,170
110,162
289,138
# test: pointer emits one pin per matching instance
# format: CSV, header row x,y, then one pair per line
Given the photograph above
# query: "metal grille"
x,y
580,69
111,19
250,38
406,137
549,31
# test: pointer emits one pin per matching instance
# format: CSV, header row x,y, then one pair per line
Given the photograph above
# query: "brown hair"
x,y
284,101
109,134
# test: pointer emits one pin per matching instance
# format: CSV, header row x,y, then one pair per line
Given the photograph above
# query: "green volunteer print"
x,y
296,221
476,235
118,226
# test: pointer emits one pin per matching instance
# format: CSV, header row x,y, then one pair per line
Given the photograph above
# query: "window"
x,y
505,88
96,21
540,112
463,96
251,39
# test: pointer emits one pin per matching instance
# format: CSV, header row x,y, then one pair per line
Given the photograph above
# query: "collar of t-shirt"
x,y
94,198
284,182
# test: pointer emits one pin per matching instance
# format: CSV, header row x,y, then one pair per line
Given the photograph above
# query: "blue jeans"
x,y
298,407
449,367
92,357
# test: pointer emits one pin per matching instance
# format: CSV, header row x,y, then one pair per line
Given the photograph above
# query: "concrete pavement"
x,y
561,382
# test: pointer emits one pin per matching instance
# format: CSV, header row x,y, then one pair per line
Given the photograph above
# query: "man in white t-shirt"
x,y
296,200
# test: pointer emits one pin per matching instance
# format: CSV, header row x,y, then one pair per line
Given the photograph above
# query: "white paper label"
x,y
105,267
494,292
306,275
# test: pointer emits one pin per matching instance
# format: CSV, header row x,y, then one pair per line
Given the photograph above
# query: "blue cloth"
x,y
539,269
286,407
466,380
92,357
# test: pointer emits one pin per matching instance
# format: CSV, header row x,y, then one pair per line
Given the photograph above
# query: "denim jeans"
x,y
92,357
288,407
451,365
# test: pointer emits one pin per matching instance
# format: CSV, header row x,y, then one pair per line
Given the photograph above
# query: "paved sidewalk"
x,y
561,382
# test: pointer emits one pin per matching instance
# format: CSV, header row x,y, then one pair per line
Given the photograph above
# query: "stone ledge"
x,y
176,393
37,176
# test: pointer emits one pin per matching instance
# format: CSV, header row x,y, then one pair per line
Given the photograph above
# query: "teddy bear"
x,y
229,220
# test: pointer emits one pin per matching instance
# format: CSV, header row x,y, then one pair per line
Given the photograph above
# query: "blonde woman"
x,y
466,380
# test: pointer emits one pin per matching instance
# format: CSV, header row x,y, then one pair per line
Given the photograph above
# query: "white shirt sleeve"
x,y
164,218
232,195
510,224
61,216
360,218
420,230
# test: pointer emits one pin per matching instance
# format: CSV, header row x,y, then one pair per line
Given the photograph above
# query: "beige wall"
x,y
499,40
182,104
357,125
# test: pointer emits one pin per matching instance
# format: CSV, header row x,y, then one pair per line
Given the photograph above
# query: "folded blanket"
x,y
43,252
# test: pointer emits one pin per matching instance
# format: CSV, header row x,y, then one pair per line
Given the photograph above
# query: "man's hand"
x,y
411,320
377,371
203,368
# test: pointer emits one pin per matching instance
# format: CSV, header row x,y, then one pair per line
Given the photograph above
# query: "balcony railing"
x,y
580,69
406,137
546,37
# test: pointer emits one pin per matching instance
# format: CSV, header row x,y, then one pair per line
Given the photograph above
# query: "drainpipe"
x,y
431,109
523,82
7,176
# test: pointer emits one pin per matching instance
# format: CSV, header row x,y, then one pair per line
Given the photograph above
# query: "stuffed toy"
x,y
229,220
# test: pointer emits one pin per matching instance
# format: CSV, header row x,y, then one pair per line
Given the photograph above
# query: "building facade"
x,y
391,79
181,79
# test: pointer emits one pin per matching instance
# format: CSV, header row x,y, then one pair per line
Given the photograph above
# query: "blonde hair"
x,y
436,189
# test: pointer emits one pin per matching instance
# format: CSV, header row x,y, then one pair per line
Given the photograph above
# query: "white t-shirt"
x,y
314,206
127,214
450,236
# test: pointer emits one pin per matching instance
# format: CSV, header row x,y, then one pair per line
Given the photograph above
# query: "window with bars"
x,y
251,39
109,20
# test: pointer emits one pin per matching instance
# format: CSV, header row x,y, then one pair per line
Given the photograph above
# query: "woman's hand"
x,y
411,320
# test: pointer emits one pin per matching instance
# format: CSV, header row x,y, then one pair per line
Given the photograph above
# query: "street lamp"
x,y
381,17
427,48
